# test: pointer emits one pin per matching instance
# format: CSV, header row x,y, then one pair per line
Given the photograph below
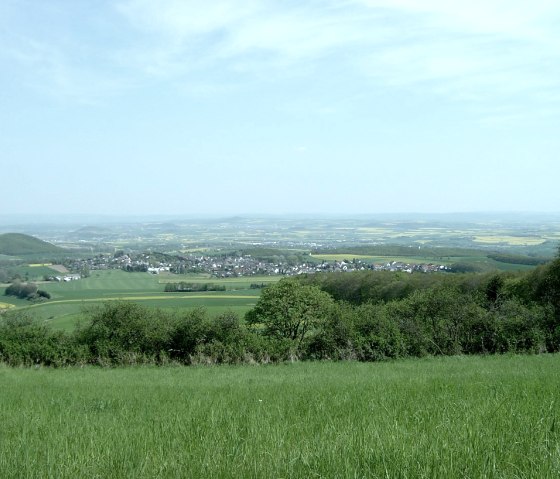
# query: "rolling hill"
x,y
15,244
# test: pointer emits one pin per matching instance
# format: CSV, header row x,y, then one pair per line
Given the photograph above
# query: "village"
x,y
235,265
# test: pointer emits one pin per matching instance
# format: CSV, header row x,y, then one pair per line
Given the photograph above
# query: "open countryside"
x,y
133,264
301,239
69,298
318,283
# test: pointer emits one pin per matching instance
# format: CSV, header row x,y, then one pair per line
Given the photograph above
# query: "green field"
x,y
434,418
67,301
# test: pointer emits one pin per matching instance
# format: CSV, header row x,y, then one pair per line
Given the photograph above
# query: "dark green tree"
x,y
288,310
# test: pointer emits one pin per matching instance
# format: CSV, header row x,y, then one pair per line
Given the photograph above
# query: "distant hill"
x,y
14,244
165,227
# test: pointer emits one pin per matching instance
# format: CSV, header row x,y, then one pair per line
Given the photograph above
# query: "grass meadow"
x,y
435,418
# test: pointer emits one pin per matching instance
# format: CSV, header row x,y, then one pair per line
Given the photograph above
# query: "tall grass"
x,y
446,417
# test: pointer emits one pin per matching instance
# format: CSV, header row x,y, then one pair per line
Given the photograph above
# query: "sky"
x,y
135,107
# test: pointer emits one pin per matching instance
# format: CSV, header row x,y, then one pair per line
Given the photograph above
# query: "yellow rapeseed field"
x,y
511,240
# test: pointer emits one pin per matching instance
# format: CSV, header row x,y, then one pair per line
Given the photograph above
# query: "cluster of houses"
x,y
225,266
410,268
66,278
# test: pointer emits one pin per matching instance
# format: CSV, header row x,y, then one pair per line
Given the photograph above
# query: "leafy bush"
x,y
379,336
21,290
125,331
25,342
518,328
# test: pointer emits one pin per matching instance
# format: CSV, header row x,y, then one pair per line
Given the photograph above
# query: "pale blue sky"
x,y
236,107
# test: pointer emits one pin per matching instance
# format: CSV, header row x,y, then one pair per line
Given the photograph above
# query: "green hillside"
x,y
15,244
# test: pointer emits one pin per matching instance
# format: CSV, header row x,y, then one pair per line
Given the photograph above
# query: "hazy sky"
x,y
235,107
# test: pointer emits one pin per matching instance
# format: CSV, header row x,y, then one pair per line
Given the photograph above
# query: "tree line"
x,y
185,287
364,316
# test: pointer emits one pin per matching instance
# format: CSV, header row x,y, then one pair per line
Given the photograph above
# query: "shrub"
x,y
379,336
119,331
21,290
518,328
24,341
190,330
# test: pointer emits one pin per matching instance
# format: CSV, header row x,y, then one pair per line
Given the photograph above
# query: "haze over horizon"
x,y
134,107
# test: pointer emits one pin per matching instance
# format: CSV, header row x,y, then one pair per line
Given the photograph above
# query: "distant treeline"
x,y
517,259
184,287
364,316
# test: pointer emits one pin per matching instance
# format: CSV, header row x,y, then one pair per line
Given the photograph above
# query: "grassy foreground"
x,y
445,417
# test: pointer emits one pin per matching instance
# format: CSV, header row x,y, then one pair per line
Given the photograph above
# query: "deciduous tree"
x,y
289,310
